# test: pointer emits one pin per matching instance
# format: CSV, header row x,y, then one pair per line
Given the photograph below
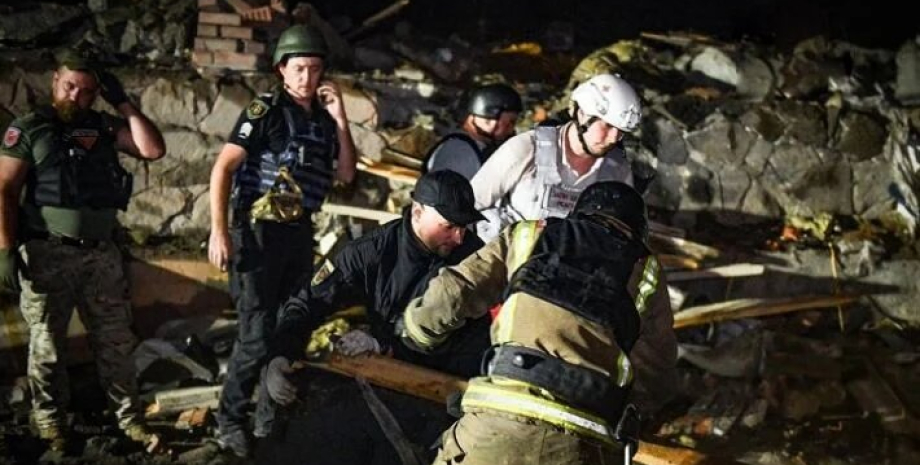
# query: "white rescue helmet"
x,y
611,99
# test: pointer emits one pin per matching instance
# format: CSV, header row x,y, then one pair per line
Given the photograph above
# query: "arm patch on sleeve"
x,y
323,273
11,137
256,109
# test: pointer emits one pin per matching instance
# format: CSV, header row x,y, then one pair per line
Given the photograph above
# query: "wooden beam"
x,y
394,374
752,308
359,212
677,261
666,230
390,171
737,270
685,246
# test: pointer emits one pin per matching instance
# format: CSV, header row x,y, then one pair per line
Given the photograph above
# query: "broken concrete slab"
x,y
861,134
907,85
184,103
178,400
232,99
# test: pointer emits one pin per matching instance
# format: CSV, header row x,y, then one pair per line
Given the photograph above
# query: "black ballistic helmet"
x,y
618,200
491,100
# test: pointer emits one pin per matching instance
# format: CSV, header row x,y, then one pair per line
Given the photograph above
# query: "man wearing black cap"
x,y
383,271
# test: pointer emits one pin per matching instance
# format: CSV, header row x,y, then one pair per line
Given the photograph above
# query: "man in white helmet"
x,y
540,173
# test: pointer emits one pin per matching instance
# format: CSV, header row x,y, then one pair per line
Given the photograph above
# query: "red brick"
x,y
207,30
228,45
232,60
202,58
240,6
224,19
236,32
251,46
206,3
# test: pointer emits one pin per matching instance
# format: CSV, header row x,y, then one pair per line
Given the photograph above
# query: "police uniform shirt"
x,y
262,125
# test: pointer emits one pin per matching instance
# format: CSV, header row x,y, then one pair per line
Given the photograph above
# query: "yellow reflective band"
x,y
522,242
417,334
624,372
573,420
648,284
505,320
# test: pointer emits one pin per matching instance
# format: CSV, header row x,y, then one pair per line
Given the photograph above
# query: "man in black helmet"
x,y
285,152
61,186
492,111
584,330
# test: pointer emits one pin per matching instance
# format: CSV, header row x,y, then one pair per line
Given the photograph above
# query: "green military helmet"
x,y
300,40
79,60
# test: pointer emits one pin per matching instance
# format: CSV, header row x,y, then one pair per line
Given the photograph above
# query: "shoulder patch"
x,y
256,109
11,137
323,273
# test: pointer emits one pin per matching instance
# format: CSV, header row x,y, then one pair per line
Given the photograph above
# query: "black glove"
x,y
9,276
112,90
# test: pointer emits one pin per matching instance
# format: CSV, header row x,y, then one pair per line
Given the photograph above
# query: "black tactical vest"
x,y
78,167
585,268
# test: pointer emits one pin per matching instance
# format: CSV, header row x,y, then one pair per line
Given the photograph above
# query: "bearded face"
x,y
72,93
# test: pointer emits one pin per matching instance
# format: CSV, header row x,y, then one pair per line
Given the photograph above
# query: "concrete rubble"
x,y
802,161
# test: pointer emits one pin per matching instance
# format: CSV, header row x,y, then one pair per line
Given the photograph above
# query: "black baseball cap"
x,y
450,194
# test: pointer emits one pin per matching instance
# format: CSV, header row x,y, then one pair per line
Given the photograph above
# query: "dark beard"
x,y
68,111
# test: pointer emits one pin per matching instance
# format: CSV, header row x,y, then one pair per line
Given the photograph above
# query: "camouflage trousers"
x,y
56,279
487,438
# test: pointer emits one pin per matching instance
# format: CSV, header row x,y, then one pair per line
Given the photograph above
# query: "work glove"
x,y
112,90
9,276
357,342
280,389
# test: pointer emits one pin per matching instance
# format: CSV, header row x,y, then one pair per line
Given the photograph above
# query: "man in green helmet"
x,y
56,235
283,155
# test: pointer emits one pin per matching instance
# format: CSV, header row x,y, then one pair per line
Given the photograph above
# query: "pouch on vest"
x,y
282,203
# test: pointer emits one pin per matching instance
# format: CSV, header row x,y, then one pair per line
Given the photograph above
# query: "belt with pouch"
x,y
66,240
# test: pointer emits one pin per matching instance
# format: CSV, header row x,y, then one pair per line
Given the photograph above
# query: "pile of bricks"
x,y
232,33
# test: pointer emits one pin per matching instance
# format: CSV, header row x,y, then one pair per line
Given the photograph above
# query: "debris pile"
x,y
783,185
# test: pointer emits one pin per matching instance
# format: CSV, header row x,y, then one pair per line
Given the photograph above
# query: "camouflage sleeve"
x,y
17,142
465,291
654,355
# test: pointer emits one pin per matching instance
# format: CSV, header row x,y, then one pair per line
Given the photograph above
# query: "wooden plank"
x,y
390,171
685,246
677,261
436,386
666,230
751,308
359,212
394,374
737,270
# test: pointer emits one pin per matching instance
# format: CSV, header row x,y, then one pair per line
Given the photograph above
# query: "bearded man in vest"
x,y
282,157
58,233
583,336
540,173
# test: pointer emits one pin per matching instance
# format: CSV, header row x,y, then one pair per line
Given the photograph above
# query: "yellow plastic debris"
x,y
336,325
523,48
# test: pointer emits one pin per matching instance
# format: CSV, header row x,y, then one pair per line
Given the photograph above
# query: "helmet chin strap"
x,y
582,129
489,136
